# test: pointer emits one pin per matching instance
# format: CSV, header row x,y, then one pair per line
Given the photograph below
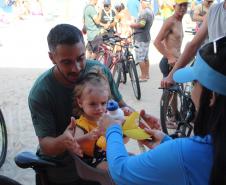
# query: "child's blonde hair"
x,y
95,77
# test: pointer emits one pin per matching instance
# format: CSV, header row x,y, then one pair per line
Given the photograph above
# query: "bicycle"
x,y
121,62
3,139
181,115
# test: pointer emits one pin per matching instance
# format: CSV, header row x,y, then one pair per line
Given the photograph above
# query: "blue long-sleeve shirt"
x,y
184,161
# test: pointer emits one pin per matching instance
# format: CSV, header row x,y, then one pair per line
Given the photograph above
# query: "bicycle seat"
x,y
31,160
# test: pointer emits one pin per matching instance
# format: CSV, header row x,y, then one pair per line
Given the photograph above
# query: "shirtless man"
x,y
169,40
213,26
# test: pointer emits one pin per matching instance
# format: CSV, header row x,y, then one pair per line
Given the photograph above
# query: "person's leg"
x,y
146,59
147,69
139,51
143,70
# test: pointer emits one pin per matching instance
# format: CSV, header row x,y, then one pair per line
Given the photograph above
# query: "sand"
x,y
15,86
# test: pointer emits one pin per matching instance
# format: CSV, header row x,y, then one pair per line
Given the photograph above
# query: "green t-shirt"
x,y
92,28
50,105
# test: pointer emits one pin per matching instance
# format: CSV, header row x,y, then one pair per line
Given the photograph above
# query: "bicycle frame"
x,y
186,111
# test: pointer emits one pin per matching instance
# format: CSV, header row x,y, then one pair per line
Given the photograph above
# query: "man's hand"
x,y
151,121
94,134
167,82
172,60
69,140
156,136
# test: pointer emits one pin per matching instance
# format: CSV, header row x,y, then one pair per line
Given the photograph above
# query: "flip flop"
x,y
143,79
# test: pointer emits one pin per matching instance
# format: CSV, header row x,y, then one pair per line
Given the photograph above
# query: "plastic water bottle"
x,y
114,111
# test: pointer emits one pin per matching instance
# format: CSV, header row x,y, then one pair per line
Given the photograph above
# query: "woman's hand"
x,y
156,138
107,121
151,121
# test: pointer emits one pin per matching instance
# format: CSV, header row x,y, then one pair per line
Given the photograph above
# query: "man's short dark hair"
x,y
64,34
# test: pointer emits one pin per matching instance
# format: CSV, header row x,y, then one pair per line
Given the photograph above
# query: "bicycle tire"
x,y
124,73
117,73
134,78
164,101
170,117
3,139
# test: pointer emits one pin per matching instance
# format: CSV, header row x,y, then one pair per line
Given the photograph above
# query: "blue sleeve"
x,y
166,138
160,166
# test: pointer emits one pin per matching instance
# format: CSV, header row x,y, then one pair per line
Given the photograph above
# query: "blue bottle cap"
x,y
112,105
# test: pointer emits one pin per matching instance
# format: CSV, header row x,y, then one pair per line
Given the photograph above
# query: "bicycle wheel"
x,y
170,108
117,73
124,72
3,139
134,78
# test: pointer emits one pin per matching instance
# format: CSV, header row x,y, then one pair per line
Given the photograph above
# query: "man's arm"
x,y
162,35
192,47
93,14
188,53
53,146
97,17
44,125
197,16
139,24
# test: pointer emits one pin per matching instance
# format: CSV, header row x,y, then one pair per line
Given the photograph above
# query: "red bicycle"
x,y
116,55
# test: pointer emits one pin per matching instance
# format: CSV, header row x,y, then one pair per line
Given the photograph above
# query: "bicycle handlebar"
x,y
117,38
113,40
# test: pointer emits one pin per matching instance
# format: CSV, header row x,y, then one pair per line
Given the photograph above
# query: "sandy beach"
x,y
23,57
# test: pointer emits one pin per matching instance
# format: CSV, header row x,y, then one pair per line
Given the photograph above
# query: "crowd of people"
x,y
68,101
123,21
11,10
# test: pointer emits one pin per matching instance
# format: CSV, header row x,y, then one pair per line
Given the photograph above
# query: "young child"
x,y
91,94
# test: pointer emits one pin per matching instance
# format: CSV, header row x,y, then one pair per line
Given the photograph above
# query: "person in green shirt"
x,y
51,97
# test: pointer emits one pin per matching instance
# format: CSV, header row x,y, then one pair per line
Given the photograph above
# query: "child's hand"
x,y
127,111
95,134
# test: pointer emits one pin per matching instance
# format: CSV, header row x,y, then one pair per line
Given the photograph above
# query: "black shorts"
x,y
164,66
92,46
